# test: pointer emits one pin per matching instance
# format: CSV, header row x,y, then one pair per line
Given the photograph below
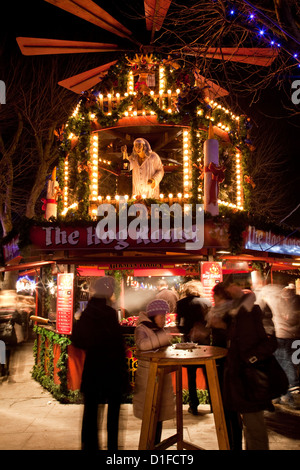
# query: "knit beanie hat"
x,y
103,287
157,307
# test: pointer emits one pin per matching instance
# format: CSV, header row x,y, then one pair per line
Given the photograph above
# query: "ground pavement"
x,y
31,419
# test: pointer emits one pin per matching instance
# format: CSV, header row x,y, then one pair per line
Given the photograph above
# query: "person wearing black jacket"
x,y
104,377
248,345
191,312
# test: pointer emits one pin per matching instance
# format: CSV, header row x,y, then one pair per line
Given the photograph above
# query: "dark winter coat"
x,y
98,332
191,313
247,342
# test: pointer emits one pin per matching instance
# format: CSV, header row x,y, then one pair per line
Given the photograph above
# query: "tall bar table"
x,y
170,359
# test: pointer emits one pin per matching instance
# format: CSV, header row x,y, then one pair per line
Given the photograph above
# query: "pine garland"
x,y
46,377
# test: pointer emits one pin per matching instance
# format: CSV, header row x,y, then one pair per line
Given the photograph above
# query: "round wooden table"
x,y
170,359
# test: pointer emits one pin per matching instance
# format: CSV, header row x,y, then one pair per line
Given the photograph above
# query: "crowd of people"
x,y
260,330
248,325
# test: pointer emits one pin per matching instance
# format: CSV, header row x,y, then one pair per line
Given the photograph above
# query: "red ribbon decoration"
x,y
249,180
218,176
141,86
47,201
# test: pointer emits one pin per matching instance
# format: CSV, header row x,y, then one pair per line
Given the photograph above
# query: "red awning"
x,y
159,272
87,271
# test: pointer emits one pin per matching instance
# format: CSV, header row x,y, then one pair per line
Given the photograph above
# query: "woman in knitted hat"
x,y
150,335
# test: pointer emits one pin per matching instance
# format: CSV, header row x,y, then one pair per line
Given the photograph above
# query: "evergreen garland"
x,y
109,120
46,377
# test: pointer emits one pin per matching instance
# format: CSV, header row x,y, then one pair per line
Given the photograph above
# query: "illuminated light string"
x,y
239,191
270,19
230,204
94,167
133,112
187,171
66,182
143,196
72,206
130,83
215,105
162,84
262,31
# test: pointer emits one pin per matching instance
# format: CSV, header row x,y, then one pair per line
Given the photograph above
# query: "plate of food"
x,y
185,345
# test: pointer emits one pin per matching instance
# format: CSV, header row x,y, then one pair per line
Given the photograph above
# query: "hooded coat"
x,y
148,338
191,315
98,332
247,340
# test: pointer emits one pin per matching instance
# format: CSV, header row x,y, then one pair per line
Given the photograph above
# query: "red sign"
x,y
59,237
65,299
211,274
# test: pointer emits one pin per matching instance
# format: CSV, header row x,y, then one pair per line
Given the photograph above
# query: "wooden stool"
x,y
166,361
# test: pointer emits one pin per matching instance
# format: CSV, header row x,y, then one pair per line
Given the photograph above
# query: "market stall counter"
x,y
59,364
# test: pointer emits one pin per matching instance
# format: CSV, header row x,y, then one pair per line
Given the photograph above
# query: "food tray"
x,y
185,345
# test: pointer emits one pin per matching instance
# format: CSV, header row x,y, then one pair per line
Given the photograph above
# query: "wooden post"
x,y
216,401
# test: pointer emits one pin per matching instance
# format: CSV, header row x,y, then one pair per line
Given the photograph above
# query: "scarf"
x,y
151,325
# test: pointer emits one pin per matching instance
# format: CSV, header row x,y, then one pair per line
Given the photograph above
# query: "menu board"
x,y
65,299
211,274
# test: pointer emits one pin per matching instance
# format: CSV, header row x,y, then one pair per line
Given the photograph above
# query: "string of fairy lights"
x,y
262,27
167,101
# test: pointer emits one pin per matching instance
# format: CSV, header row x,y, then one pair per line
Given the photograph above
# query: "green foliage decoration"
x,y
202,395
46,379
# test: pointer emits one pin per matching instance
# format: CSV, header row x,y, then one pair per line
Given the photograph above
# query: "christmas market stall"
x,y
152,183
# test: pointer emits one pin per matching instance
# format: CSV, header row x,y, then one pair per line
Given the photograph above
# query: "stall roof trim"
x,y
23,266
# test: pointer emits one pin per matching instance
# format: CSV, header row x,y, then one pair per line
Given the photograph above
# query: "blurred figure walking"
x,y
191,320
104,377
167,294
245,388
287,328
